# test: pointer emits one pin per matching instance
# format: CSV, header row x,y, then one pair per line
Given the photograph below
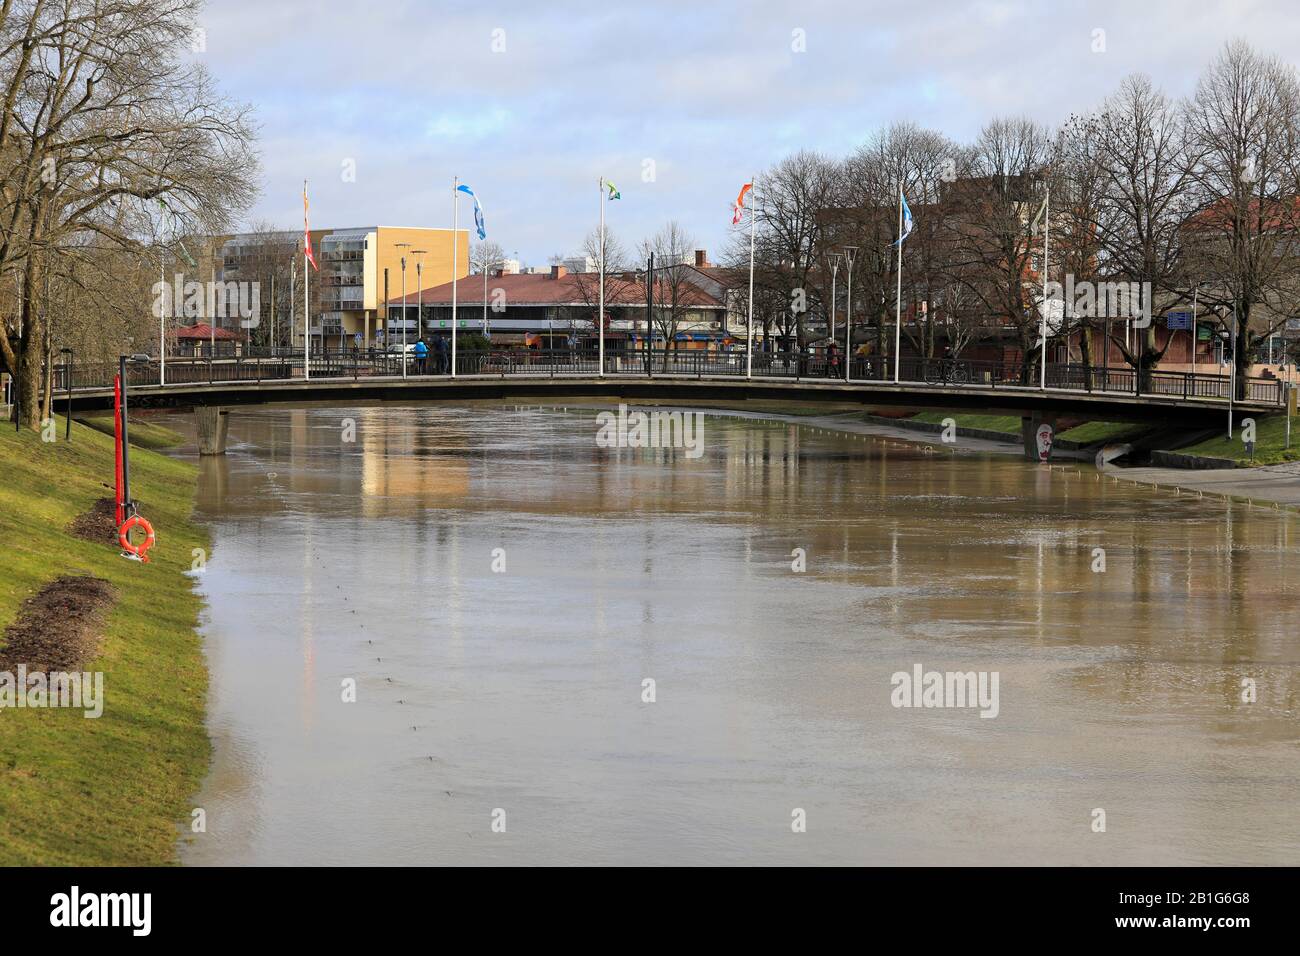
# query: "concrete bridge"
x,y
211,386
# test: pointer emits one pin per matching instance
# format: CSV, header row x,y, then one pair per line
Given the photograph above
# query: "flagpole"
x,y
1047,228
455,258
898,301
600,312
749,331
306,297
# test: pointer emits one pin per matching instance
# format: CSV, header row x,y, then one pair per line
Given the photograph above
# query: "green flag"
x,y
613,190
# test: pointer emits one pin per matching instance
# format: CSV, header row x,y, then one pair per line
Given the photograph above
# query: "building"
x,y
559,305
348,291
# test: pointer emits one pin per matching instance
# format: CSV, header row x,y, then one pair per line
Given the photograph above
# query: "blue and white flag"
x,y
907,219
478,211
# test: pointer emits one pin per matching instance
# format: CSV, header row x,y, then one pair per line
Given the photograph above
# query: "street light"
x,y
835,259
403,245
67,381
849,253
419,293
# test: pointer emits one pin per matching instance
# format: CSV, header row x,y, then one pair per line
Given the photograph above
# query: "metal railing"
x,y
281,364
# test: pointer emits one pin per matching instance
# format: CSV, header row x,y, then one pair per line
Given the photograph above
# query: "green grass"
x,y
1005,424
1088,433
1091,433
112,790
1270,436
141,434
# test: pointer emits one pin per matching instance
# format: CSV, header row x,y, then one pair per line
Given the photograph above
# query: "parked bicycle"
x,y
943,371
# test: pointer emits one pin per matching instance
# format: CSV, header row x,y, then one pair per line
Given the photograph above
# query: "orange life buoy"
x,y
124,537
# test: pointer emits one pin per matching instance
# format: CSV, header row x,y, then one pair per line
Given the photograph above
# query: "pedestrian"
x,y
440,348
832,361
421,353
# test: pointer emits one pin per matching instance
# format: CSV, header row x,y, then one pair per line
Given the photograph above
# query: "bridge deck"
x,y
1006,399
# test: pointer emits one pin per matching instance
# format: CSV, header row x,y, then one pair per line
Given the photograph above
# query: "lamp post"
x,y
403,245
849,253
1232,372
67,381
419,293
835,259
1195,290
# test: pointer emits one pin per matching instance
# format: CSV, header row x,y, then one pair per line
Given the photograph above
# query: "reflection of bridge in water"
x,y
1097,393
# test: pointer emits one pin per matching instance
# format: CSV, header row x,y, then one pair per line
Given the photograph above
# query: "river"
x,y
508,686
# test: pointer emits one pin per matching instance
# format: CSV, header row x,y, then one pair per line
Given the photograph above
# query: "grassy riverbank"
x,y
1088,433
111,790
1270,439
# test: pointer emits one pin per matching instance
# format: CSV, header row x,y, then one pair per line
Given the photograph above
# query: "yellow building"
x,y
347,294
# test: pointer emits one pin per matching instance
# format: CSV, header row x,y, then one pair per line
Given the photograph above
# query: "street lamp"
x,y
403,245
835,259
67,381
849,253
419,293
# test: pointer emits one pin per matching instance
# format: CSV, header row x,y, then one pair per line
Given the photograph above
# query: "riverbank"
x,y
111,790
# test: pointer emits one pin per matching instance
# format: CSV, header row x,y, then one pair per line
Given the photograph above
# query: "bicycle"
x,y
943,371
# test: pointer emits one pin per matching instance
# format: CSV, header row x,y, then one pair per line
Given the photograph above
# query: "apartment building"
x,y
347,294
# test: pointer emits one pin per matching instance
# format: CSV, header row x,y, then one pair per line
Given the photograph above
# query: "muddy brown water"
x,y
521,690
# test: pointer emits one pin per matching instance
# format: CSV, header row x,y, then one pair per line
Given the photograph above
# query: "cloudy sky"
x,y
531,102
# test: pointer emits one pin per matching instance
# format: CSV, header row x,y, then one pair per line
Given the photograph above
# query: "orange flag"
x,y
306,230
740,203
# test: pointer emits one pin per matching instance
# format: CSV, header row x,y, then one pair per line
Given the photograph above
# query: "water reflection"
x,y
372,560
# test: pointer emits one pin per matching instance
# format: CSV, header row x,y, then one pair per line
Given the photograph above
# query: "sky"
x,y
678,103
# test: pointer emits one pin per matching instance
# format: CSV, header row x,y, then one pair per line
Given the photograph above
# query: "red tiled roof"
x,y
204,331
543,289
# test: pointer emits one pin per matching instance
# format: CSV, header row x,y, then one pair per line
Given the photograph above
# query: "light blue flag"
x,y
907,219
478,211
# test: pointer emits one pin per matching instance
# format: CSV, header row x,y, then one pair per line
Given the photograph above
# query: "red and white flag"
x,y
306,230
739,204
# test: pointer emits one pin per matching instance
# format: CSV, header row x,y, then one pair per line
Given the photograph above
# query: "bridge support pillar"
x,y
1029,432
212,423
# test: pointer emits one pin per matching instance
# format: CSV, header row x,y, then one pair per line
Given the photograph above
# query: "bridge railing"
x,y
283,364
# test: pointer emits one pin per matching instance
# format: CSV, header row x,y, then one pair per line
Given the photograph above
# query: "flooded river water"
x,y
500,590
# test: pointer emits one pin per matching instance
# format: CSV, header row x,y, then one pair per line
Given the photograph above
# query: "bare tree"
x,y
1140,148
1244,128
992,242
102,117
674,292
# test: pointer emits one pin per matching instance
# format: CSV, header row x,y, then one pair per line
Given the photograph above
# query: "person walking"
x,y
832,361
421,354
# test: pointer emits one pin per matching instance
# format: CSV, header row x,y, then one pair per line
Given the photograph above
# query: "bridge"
x,y
1097,393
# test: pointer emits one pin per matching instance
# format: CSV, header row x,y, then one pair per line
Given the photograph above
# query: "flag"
x,y
306,230
739,204
185,253
613,190
478,211
907,219
1038,217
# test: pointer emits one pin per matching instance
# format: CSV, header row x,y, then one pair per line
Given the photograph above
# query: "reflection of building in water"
x,y
402,462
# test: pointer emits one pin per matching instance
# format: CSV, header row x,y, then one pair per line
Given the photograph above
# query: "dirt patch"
x,y
58,628
97,524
